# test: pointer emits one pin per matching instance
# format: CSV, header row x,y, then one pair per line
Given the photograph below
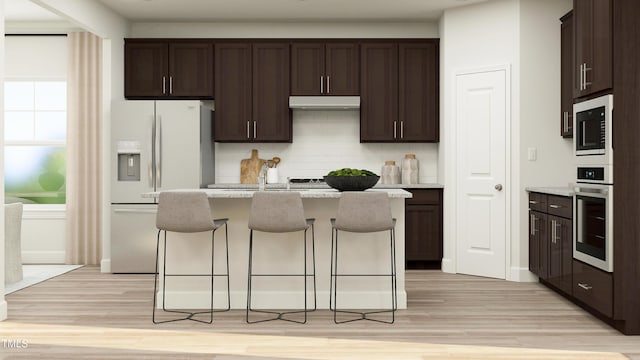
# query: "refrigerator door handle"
x,y
158,152
135,211
152,145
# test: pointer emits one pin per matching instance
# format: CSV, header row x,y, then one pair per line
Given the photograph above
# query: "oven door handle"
x,y
589,191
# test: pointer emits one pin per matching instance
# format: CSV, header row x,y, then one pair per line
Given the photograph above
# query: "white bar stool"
x,y
363,212
280,212
187,212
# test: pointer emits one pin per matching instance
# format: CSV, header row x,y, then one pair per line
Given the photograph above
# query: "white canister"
x,y
410,169
272,175
390,173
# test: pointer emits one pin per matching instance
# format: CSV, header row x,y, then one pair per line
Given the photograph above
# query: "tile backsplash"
x,y
325,140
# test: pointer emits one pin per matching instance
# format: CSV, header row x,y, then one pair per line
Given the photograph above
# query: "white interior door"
x,y
481,117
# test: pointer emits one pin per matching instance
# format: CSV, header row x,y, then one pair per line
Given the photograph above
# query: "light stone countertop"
x,y
320,186
320,193
552,190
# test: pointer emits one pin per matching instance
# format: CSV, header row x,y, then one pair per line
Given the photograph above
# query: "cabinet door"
x,y
191,70
342,69
423,233
566,76
378,92
560,253
537,236
418,92
146,69
542,239
233,92
307,69
593,46
271,113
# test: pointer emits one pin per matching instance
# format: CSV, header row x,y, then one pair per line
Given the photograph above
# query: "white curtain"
x,y
84,149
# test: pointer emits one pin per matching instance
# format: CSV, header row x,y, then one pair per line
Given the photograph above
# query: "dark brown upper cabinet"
x,y
593,26
233,120
566,75
399,91
319,68
379,92
418,92
168,69
252,92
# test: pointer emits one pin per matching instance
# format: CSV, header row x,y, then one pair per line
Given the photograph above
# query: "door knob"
x,y
498,187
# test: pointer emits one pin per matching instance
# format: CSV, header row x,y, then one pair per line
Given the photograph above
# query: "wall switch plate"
x,y
532,154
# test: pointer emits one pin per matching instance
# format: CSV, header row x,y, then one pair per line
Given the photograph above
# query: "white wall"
x,y
3,303
285,30
43,226
475,36
524,34
540,110
324,141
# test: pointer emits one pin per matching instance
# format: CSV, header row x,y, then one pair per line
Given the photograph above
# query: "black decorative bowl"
x,y
351,183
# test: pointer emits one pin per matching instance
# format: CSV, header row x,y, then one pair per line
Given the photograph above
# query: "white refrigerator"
x,y
156,146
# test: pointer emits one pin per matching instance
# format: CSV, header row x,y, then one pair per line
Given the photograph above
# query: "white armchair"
x,y
12,246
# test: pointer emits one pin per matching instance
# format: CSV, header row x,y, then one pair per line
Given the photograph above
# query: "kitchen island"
x,y
282,253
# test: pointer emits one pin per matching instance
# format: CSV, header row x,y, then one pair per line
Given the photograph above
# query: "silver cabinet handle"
x,y
321,84
553,231
170,85
164,85
328,84
586,83
498,187
580,84
255,133
532,231
565,121
533,202
401,129
395,129
554,206
248,131
585,286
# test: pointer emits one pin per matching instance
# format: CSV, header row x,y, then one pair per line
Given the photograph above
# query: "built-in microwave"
x,y
592,130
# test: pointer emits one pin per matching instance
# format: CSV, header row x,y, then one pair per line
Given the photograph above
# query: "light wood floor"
x,y
88,315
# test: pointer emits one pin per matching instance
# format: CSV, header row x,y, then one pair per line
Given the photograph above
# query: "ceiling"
x,y
255,10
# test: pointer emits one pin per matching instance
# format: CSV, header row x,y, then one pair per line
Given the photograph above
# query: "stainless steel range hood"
x,y
324,102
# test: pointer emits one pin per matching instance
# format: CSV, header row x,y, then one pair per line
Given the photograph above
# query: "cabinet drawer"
x,y
538,202
593,287
421,197
560,206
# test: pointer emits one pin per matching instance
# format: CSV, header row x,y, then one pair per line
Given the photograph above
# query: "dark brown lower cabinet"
x,y
593,287
551,256
423,229
551,240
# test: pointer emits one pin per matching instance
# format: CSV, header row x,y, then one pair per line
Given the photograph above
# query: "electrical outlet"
x,y
532,154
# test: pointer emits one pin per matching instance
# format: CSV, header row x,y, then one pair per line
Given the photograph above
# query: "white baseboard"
x,y
279,300
43,257
520,274
105,266
448,266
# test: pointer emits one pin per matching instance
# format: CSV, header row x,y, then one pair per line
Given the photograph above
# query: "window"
x,y
35,128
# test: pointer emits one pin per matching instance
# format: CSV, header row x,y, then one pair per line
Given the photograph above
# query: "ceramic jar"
x,y
390,173
410,169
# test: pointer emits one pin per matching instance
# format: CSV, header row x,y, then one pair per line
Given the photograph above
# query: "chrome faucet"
x,y
262,177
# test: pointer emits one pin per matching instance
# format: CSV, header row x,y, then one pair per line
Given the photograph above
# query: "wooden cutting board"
x,y
250,168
